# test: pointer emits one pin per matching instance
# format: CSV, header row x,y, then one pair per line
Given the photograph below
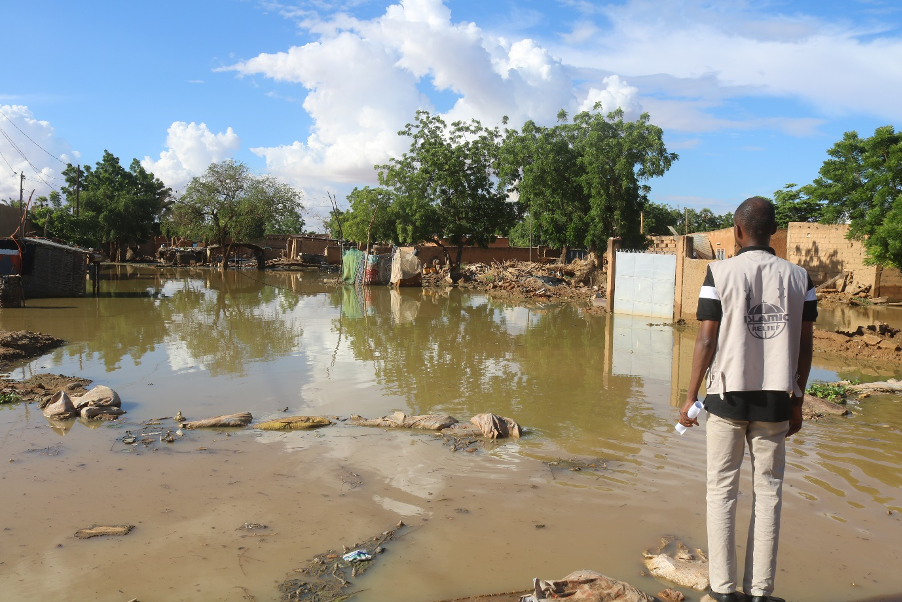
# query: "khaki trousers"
x,y
726,441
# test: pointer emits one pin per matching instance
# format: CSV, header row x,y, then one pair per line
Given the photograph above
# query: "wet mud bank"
x,y
21,345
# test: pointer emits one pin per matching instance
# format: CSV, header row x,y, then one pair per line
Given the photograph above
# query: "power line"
x,y
19,150
29,137
7,163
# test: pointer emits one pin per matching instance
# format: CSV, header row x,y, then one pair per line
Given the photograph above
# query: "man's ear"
x,y
774,231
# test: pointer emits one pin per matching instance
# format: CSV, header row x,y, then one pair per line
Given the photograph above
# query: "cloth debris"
x,y
431,422
496,427
585,586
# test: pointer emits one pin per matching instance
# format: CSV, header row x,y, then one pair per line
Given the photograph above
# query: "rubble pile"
x,y
580,279
877,341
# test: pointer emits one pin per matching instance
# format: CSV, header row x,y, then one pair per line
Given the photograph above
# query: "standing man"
x,y
757,315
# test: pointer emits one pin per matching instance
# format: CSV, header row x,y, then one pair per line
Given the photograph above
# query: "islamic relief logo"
x,y
765,320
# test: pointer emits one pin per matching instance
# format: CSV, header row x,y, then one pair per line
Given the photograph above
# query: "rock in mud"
x,y
496,427
586,586
293,423
671,595
431,422
228,420
98,397
101,413
102,531
688,573
60,406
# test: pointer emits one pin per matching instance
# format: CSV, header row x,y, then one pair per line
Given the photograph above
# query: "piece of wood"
x,y
228,420
102,531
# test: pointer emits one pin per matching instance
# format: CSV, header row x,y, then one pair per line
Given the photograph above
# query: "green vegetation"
x,y
445,189
859,184
831,392
230,204
584,181
105,206
9,398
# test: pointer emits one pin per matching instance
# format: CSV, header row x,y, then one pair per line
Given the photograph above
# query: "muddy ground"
x,y
21,345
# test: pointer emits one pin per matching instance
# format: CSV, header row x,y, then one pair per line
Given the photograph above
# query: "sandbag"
x,y
496,427
294,423
60,406
431,422
228,420
688,573
99,397
102,412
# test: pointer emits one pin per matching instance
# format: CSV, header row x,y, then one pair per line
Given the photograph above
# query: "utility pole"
x,y
686,219
77,183
21,188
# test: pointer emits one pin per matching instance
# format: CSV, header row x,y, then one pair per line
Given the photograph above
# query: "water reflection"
x,y
586,386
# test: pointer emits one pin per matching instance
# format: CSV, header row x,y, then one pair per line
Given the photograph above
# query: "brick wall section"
x,y
825,252
662,245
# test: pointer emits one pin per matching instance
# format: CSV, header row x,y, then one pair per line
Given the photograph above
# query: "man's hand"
x,y
795,423
685,420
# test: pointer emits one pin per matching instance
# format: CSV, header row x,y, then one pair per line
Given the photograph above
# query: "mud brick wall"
x,y
891,284
825,252
480,255
694,271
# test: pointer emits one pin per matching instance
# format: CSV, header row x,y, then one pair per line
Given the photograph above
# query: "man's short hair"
x,y
757,217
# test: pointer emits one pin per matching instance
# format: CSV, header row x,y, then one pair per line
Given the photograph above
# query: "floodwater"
x,y
603,390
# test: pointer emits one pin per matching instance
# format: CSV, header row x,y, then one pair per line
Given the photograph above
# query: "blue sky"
x,y
750,94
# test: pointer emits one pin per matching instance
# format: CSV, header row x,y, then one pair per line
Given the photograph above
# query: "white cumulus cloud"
x,y
366,78
616,94
191,148
31,146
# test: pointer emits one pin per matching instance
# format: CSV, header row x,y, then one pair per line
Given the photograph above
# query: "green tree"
x,y
371,216
446,185
116,207
861,183
229,204
584,181
794,204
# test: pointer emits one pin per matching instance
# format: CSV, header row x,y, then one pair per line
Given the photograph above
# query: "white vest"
x,y
762,297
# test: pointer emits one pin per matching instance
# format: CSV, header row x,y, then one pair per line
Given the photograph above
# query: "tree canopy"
x,y
446,186
115,206
861,182
584,181
230,204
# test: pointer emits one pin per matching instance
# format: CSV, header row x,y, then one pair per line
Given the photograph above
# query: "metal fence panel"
x,y
644,284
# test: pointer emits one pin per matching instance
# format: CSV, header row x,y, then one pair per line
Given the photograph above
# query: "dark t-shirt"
x,y
760,406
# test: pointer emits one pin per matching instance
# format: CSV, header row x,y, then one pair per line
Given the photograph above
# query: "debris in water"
x,y
292,423
101,531
229,420
327,575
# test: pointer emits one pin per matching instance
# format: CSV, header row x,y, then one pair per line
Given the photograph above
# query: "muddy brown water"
x,y
599,389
